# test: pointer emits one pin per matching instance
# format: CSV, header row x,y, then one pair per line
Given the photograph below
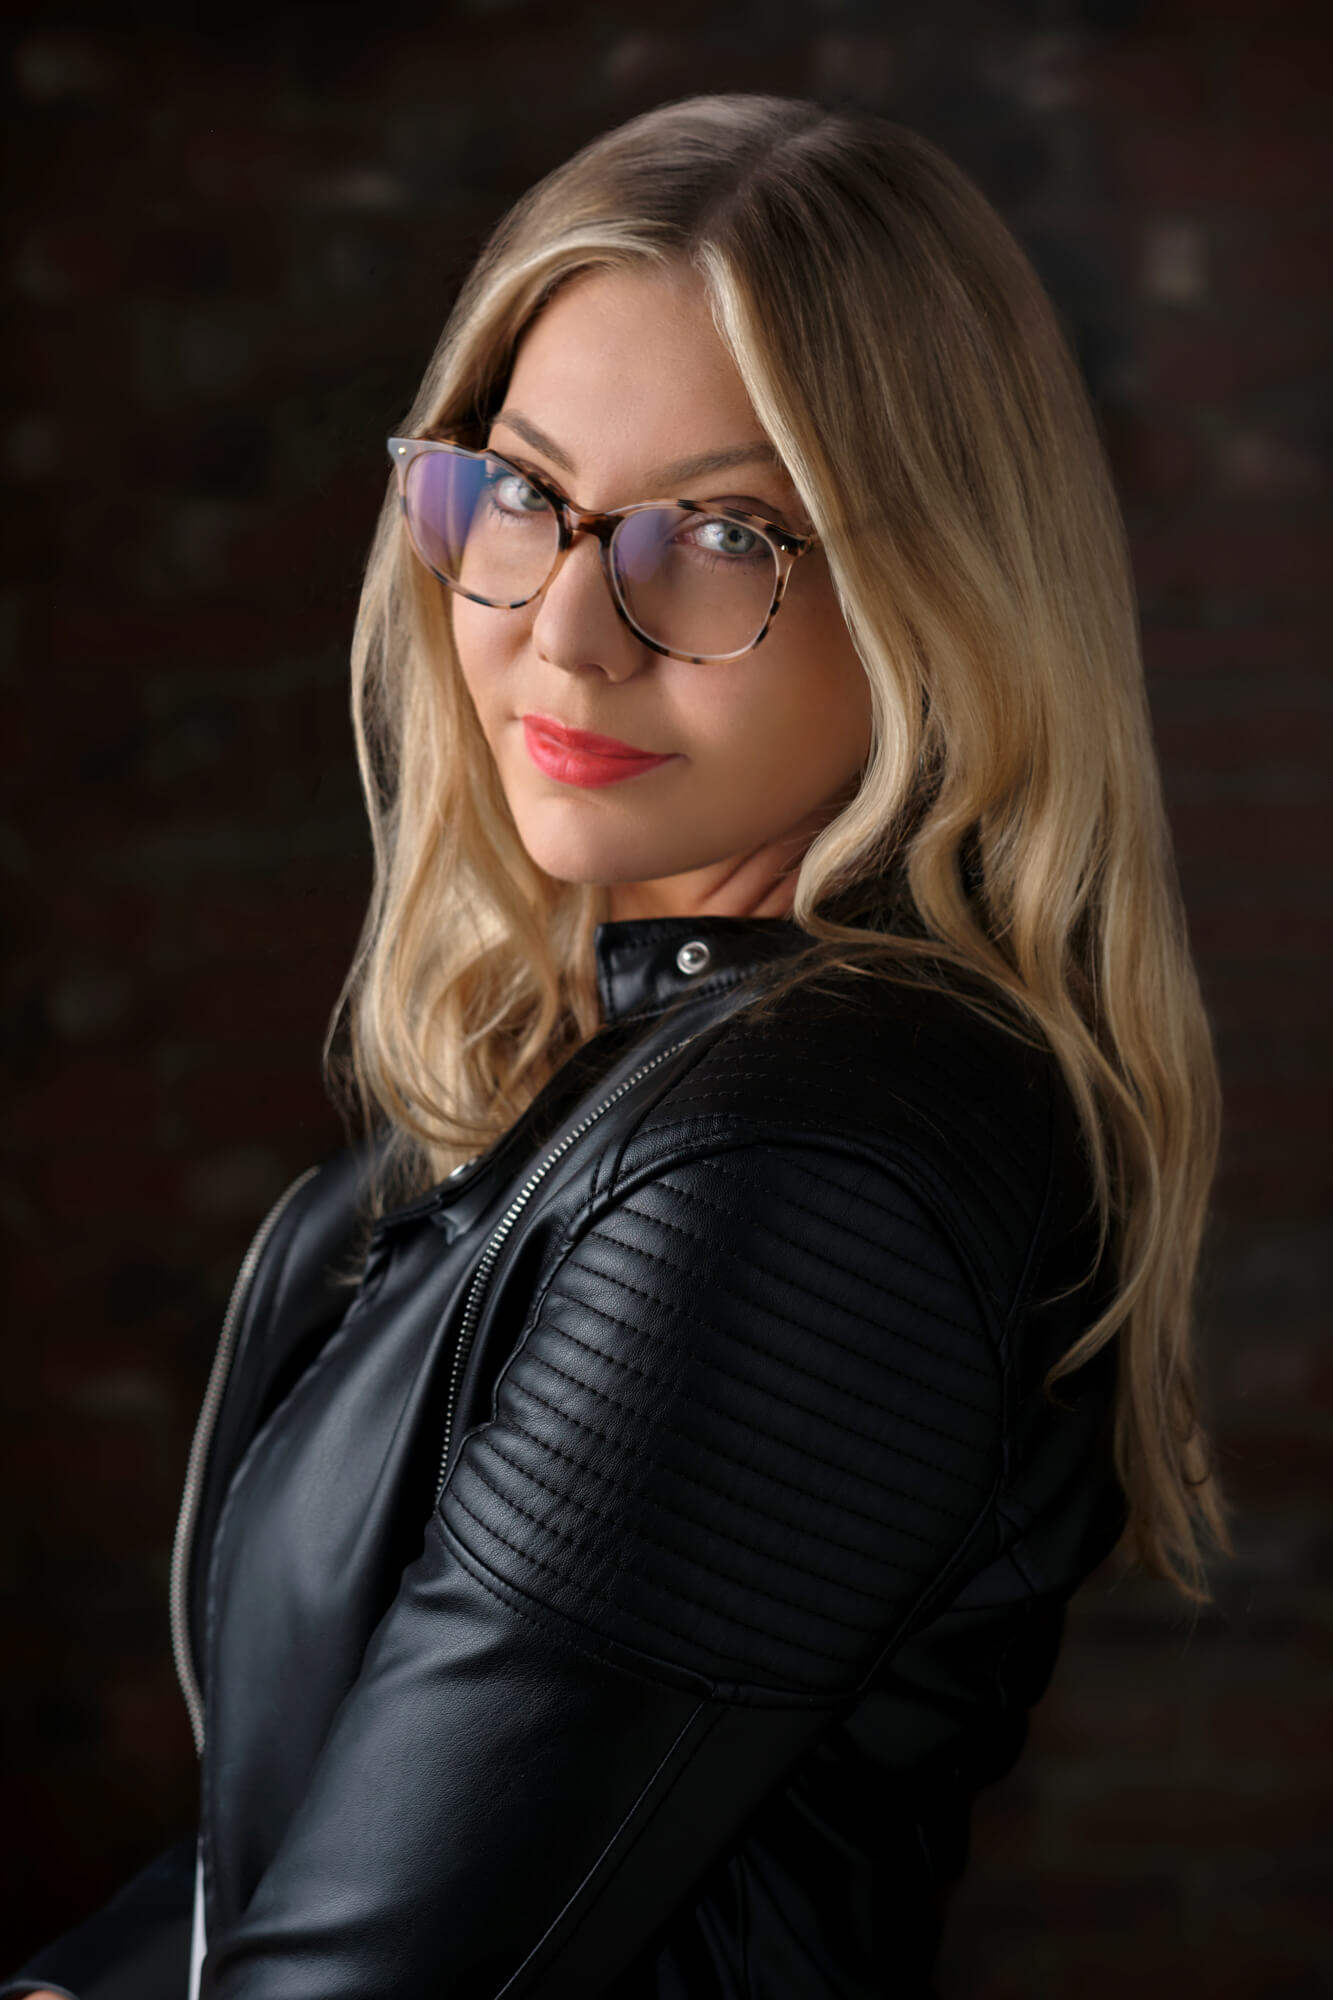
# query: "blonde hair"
x,y
900,351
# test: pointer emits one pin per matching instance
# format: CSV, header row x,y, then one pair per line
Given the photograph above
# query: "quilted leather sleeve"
x,y
752,1427
758,1415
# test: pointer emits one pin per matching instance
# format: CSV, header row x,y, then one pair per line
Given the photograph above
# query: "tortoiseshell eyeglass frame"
x,y
571,520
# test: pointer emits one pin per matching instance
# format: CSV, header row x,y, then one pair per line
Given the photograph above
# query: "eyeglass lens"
x,y
695,583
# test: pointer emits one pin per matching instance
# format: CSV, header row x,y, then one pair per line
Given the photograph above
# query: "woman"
x,y
640,1486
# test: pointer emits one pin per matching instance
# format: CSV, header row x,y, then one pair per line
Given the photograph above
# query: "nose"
x,y
576,623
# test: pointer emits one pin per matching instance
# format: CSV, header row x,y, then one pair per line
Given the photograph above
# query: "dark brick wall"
x,y
231,238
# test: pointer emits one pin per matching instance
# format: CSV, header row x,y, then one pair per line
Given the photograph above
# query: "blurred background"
x,y
231,238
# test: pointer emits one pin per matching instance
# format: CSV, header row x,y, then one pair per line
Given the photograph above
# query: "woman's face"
x,y
621,376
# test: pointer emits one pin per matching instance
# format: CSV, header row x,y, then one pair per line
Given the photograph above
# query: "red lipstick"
x,y
580,757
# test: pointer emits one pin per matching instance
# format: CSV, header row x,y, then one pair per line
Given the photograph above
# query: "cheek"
x,y
807,702
835,688
479,647
786,741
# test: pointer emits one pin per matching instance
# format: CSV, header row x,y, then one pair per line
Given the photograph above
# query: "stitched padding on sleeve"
x,y
915,1062
756,1415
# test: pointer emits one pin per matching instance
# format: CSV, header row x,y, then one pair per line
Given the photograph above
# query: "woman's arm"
x,y
751,1431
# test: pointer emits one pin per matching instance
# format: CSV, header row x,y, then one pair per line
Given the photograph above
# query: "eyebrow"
x,y
677,473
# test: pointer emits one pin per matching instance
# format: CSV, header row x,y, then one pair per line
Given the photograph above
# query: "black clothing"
x,y
755,1541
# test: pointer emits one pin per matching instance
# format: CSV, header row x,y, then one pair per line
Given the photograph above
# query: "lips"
x,y
580,757
584,739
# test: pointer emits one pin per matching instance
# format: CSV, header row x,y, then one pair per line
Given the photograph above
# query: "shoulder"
x,y
316,1220
755,1417
913,1094
293,1278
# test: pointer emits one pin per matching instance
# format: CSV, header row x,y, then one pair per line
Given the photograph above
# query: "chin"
x,y
567,856
590,869
600,856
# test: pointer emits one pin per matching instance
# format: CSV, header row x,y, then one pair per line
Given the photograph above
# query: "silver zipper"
x,y
194,1471
486,1265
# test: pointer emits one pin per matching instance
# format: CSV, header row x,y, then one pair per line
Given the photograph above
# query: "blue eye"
x,y
512,494
716,543
728,538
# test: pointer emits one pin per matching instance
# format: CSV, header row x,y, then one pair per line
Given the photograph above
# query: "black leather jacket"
x,y
624,1589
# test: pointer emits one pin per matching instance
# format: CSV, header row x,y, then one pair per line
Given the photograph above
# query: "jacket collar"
x,y
644,963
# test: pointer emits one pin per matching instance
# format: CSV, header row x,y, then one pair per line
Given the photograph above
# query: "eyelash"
x,y
763,509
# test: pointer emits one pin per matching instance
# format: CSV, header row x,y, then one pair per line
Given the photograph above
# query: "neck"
x,y
734,897
761,883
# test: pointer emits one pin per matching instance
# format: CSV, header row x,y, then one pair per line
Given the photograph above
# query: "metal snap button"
x,y
693,957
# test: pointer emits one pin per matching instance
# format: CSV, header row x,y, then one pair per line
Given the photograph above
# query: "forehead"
x,y
625,369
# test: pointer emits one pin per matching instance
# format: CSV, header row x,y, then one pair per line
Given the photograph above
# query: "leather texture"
x,y
757,1533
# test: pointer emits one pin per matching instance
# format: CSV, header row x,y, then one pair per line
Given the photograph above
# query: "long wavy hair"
x,y
900,351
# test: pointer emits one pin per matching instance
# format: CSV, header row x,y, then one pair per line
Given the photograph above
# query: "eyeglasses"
x,y
695,582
